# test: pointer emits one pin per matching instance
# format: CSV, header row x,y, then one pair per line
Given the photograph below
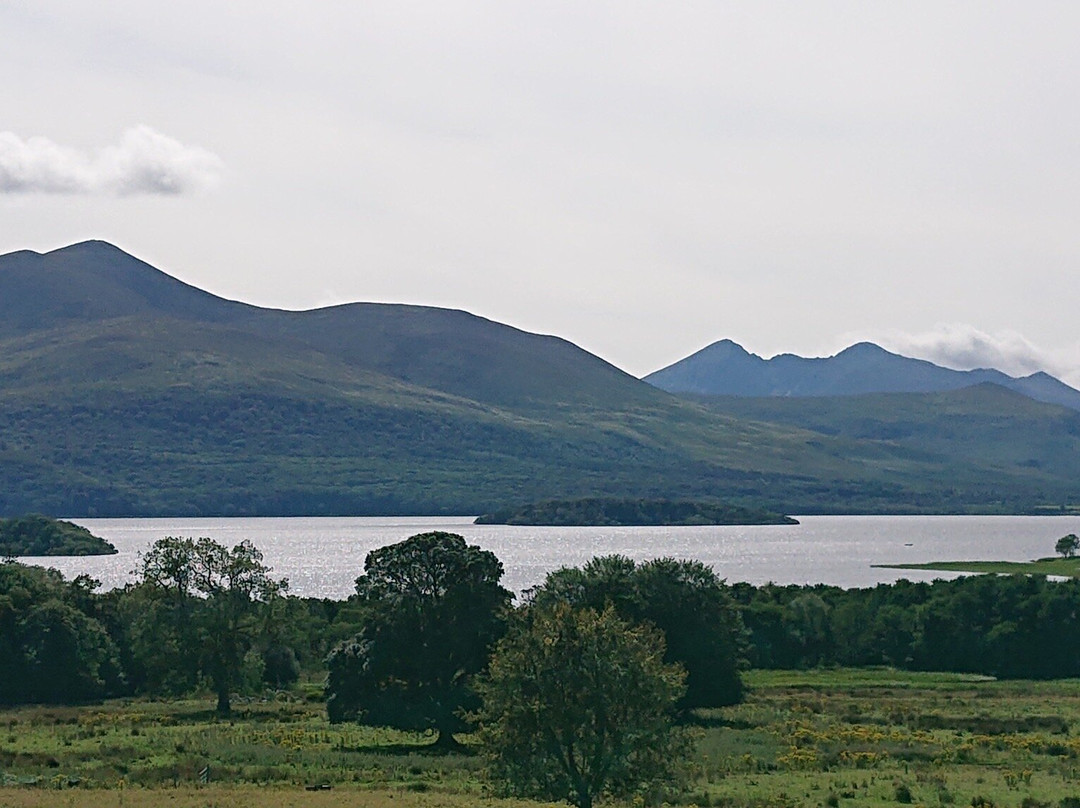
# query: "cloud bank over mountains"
x,y
964,347
143,162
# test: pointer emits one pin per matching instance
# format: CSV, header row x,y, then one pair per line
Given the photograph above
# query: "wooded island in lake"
x,y
631,512
36,535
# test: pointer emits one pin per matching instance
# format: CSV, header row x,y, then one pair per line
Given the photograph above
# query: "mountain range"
x,y
124,391
727,369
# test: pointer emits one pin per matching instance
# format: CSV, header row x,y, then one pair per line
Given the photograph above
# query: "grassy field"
x,y
819,739
1062,567
246,796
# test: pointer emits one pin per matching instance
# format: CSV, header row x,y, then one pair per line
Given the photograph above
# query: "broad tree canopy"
x,y
686,600
434,606
203,607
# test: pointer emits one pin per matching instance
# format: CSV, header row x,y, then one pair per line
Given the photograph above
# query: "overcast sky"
x,y
639,178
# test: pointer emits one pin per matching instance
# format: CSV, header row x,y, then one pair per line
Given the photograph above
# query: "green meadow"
x,y
820,739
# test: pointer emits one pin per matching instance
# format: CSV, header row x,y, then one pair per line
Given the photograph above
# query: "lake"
x,y
321,557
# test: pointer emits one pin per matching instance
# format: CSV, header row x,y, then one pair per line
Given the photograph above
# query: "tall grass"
x,y
813,739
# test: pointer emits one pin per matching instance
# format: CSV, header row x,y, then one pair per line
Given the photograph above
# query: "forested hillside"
x,y
124,391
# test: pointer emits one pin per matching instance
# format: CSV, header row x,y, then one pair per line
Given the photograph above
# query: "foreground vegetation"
x,y
836,737
618,679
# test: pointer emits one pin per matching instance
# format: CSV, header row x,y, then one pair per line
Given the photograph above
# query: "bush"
x,y
578,703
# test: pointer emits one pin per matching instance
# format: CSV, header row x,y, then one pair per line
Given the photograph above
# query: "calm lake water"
x,y
321,557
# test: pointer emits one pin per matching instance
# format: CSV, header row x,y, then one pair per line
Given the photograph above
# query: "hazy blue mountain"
x,y
726,369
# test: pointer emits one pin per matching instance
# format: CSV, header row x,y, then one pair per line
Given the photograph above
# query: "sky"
x,y
640,178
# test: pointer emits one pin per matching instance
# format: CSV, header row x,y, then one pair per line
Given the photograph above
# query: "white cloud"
x,y
38,164
144,162
964,347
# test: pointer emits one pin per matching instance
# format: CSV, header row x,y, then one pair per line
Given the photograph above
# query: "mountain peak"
x,y
864,349
694,374
90,245
90,250
862,368
94,280
725,348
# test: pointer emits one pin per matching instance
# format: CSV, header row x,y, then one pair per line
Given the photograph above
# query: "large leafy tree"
x,y
206,607
52,646
686,600
578,703
432,608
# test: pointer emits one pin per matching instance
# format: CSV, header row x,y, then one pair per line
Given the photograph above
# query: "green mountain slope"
x,y
121,419
124,391
973,434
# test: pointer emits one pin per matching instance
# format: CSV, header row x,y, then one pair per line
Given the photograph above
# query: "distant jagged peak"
x,y
726,348
864,349
865,367
1042,376
729,349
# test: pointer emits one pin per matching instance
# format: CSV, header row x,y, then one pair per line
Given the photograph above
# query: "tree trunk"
x,y
224,706
445,741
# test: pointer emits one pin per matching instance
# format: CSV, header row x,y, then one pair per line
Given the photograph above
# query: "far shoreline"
x,y
1058,567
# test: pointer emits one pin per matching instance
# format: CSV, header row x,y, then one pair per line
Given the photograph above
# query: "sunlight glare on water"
x,y
321,557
